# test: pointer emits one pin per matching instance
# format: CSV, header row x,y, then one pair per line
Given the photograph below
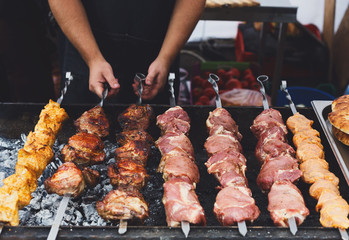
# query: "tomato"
x,y
249,77
205,100
247,71
235,73
209,92
232,83
254,86
197,92
220,72
244,84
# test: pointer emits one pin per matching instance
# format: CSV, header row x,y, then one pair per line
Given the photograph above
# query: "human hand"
x,y
101,72
155,80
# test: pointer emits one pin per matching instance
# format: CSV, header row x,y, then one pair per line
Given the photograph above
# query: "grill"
x,y
81,220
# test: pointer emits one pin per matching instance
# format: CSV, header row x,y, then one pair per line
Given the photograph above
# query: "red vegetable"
x,y
209,92
232,83
205,100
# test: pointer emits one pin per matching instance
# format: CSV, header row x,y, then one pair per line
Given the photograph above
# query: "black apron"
x,y
129,34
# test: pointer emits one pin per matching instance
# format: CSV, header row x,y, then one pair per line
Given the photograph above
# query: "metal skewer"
x,y
185,228
58,219
140,78
69,77
293,225
343,233
171,79
122,226
261,80
104,95
213,79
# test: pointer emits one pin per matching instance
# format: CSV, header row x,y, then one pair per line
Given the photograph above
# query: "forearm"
x,y
71,17
185,16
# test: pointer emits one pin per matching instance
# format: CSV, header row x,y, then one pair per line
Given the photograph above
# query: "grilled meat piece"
x,y
8,207
321,185
180,167
299,123
220,117
134,135
308,151
176,152
68,180
266,120
91,177
174,119
307,136
171,141
233,205
220,142
281,168
19,184
93,121
272,148
138,151
181,203
126,172
334,210
274,133
136,117
84,149
286,201
228,166
123,203
315,169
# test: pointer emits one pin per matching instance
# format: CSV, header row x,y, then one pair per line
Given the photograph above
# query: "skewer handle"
x,y
69,77
171,79
185,228
58,219
104,95
140,78
283,88
213,79
261,79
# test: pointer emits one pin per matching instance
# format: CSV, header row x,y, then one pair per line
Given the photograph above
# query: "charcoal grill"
x,y
21,118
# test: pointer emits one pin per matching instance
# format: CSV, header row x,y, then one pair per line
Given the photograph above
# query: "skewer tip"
x,y
343,233
185,228
122,227
293,225
242,228
1,227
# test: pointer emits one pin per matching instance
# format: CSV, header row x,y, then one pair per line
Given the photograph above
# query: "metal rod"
x,y
242,228
69,77
139,78
1,227
293,225
185,228
343,233
283,87
213,79
104,95
171,79
122,226
58,219
261,80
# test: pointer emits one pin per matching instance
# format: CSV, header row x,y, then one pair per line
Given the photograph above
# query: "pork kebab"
x,y
128,174
279,169
333,208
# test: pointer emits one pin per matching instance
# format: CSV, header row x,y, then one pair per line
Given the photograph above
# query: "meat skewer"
x,y
91,122
279,167
325,184
234,202
177,151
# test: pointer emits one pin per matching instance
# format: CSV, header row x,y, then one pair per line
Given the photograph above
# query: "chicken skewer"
x,y
67,196
291,220
237,185
307,129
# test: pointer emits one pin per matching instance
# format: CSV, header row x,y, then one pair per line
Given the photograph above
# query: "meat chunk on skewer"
x,y
321,185
286,201
84,149
315,169
272,148
281,168
299,123
126,172
267,120
134,135
123,203
306,136
181,203
233,205
220,142
19,184
220,117
68,180
138,151
93,121
175,120
9,207
136,117
308,151
171,141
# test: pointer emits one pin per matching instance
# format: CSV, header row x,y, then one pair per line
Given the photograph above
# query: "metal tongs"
x,y
283,87
213,79
69,77
140,78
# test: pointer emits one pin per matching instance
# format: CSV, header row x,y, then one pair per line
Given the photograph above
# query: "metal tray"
x,y
18,118
341,151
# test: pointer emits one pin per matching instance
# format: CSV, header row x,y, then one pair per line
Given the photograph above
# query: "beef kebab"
x,y
84,149
31,162
128,174
333,208
178,168
234,202
279,168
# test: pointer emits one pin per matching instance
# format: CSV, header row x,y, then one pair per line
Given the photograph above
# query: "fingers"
x,y
150,78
